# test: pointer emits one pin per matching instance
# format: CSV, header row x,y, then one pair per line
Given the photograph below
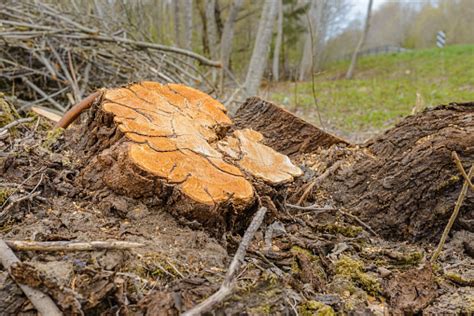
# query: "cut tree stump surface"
x,y
283,131
172,140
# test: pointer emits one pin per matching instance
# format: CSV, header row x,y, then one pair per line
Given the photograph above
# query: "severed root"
x,y
229,281
42,302
70,245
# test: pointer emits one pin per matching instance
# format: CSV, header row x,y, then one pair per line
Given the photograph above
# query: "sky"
x,y
359,7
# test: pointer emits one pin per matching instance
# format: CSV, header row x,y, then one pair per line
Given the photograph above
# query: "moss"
x,y
452,180
9,113
52,137
261,310
315,308
459,279
345,230
4,194
353,270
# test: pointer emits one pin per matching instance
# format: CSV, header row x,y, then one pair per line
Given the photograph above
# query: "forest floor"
x,y
317,263
383,91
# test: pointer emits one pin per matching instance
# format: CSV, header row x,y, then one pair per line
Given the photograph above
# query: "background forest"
x,y
297,52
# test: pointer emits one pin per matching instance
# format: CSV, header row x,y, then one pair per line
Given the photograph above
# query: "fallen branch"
x,y
41,301
453,217
70,245
227,286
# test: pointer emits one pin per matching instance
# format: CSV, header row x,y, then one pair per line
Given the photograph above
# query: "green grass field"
x,y
384,89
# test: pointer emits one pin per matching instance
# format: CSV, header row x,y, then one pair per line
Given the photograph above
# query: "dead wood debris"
x,y
227,286
41,301
70,245
54,57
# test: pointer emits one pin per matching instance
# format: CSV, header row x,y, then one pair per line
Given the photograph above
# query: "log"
x,y
282,130
173,143
404,183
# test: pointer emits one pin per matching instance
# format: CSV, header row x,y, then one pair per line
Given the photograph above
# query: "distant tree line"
x,y
282,39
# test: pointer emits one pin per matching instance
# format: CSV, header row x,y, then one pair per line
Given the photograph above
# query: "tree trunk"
x,y
404,183
259,57
211,27
350,71
177,23
188,24
279,36
228,36
306,58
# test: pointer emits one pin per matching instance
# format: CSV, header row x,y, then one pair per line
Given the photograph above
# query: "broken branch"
x,y
229,281
453,217
70,245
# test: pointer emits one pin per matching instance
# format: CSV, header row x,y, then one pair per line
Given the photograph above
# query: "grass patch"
x,y
383,90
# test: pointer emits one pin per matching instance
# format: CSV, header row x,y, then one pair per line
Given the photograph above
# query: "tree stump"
x,y
170,145
282,130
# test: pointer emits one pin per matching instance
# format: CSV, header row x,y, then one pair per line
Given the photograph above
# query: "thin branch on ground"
x,y
229,281
453,217
41,301
71,245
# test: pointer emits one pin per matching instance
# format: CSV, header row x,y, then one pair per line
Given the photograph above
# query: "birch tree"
x,y
278,40
258,61
350,71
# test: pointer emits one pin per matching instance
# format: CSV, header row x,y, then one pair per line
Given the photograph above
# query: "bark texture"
x,y
404,183
282,130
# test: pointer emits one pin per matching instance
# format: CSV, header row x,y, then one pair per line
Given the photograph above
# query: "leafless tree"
x,y
258,61
350,71
322,18
228,32
278,40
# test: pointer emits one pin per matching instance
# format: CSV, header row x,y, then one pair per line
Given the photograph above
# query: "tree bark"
x,y
259,57
350,71
279,36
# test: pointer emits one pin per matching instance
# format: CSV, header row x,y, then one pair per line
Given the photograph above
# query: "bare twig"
x,y
458,163
227,286
310,208
71,245
453,217
16,122
42,302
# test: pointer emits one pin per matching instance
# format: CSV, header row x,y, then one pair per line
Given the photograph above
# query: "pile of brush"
x,y
53,56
